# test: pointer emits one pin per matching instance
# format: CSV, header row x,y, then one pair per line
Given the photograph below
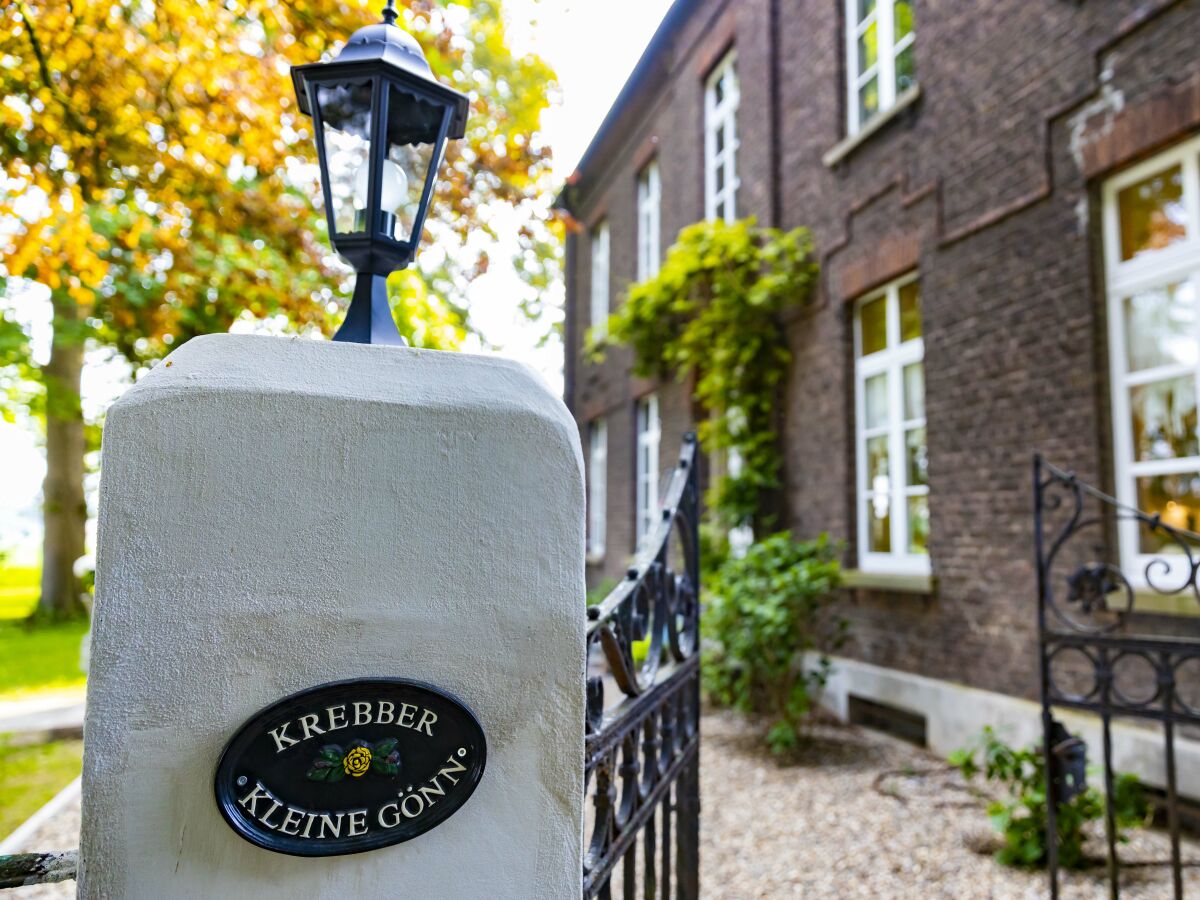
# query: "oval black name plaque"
x,y
350,766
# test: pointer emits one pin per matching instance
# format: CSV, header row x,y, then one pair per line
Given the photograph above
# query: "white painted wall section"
x,y
279,513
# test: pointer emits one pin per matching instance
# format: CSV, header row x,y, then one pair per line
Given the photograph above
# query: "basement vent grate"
x,y
901,723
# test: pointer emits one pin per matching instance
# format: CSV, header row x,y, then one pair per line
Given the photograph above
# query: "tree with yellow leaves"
x,y
158,182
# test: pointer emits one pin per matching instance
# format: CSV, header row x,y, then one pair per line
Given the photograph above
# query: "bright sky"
x,y
593,45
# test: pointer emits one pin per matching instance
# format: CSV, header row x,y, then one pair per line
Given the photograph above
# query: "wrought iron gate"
x,y
1098,653
643,752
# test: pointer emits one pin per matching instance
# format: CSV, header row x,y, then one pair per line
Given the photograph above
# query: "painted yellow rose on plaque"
x,y
357,761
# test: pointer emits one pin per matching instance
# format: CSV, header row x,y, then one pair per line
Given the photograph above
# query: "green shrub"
x,y
765,612
714,550
1020,816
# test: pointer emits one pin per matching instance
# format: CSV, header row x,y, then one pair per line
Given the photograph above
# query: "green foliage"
x,y
1020,816
19,389
34,657
385,758
711,315
596,595
30,774
714,550
39,657
19,587
766,611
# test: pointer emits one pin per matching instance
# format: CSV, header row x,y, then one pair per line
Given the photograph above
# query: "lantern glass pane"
x,y
346,123
404,173
413,127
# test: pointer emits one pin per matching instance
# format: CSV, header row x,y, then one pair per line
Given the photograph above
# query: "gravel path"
x,y
824,828
831,826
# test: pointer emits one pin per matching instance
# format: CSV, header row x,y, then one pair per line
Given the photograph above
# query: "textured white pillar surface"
x,y
280,513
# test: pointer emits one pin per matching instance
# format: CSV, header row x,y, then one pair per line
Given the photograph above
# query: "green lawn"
x,y
31,775
33,659
18,592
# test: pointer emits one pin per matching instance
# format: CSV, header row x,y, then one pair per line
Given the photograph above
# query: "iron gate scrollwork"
x,y
643,751
1099,653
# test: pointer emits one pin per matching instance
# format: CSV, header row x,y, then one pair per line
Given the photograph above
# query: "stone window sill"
x,y
889,582
850,143
1148,601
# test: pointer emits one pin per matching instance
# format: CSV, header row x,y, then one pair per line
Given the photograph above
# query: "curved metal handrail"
x,y
655,602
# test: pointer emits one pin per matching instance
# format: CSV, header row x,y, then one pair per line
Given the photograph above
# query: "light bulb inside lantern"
x,y
395,186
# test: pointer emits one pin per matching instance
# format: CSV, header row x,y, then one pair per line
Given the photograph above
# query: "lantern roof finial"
x,y
390,13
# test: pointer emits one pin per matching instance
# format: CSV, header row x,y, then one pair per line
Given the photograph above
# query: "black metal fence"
x,y
643,747
1103,647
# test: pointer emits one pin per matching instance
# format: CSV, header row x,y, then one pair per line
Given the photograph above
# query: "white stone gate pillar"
x,y
276,514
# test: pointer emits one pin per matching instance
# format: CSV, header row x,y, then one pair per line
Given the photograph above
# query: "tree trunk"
x,y
65,509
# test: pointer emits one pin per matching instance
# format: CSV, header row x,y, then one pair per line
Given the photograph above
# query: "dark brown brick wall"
x,y
988,185
673,132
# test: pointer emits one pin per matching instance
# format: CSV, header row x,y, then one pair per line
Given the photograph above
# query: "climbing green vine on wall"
x,y
711,316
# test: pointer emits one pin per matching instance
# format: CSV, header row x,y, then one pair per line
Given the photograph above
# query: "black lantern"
x,y
381,122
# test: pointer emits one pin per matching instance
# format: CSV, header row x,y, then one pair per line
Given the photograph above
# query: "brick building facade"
x,y
1016,183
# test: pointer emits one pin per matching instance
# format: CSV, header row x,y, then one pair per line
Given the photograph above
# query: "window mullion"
x,y
730,183
892,318
1177,465
884,30
1173,264
709,177
1191,196
898,497
1158,373
860,451
1195,279
852,69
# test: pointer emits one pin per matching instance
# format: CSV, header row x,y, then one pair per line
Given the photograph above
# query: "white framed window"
x,y
649,221
599,306
880,61
721,97
1151,225
597,493
649,436
892,462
